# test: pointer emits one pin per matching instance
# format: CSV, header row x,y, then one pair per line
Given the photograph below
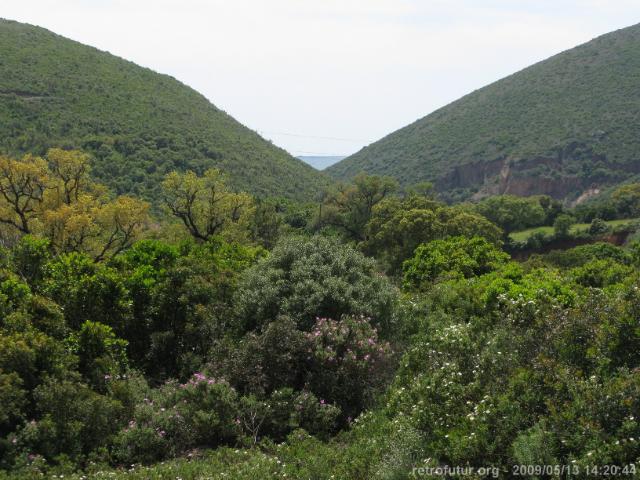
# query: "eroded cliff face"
x,y
573,173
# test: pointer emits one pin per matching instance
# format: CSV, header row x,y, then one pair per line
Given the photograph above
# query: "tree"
x,y
598,226
205,205
23,184
626,200
120,222
512,213
266,223
397,227
458,256
56,199
422,189
100,353
71,170
349,207
562,224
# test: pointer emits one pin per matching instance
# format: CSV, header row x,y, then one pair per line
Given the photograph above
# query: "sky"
x,y
327,77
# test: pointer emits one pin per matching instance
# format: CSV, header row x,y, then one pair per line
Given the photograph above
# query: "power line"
x,y
313,136
297,152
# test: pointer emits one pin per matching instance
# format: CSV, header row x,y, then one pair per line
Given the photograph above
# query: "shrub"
x,y
600,273
177,417
101,354
30,256
349,362
598,227
262,362
87,291
562,225
306,278
72,420
455,256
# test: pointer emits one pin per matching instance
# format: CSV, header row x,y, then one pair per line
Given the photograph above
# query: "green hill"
x,y
560,127
137,124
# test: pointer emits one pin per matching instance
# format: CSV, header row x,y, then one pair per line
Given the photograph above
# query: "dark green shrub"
x,y
306,278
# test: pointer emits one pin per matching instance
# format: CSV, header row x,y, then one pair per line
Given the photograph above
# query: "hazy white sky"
x,y
333,75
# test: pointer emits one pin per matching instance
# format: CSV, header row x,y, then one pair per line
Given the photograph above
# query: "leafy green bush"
x,y
598,227
455,256
178,417
562,225
101,355
305,278
600,273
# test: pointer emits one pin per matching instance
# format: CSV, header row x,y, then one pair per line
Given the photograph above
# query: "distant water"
x,y
320,162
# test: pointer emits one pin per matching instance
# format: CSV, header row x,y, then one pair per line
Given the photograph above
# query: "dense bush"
x,y
305,278
177,417
455,256
397,227
348,362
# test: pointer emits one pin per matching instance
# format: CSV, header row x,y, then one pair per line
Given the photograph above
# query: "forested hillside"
x,y
561,127
139,125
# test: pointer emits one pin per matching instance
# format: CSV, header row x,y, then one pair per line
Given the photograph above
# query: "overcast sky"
x,y
329,76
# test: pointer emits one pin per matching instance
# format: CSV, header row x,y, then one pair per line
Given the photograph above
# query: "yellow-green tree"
x,y
23,184
205,204
56,198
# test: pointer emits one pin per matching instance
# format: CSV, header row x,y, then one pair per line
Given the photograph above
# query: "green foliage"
x,y
101,354
30,256
455,256
306,278
342,363
262,362
562,224
598,226
600,273
86,291
512,213
177,417
74,420
626,200
578,256
536,131
349,362
512,378
349,207
13,399
137,124
180,303
397,227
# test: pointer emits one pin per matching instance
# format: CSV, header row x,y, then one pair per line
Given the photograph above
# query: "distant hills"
x,y
561,127
320,162
138,124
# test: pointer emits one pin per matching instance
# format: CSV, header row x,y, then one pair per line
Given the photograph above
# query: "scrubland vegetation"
x,y
360,336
